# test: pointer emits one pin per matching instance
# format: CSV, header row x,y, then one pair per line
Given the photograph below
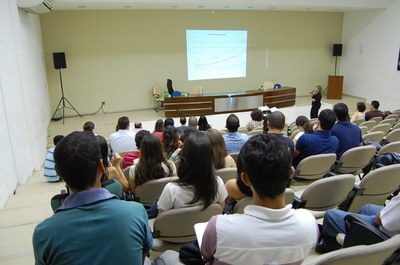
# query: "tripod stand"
x,y
62,100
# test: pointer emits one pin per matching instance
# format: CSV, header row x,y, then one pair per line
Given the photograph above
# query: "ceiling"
x,y
283,5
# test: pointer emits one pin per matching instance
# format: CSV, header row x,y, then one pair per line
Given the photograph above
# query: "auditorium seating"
x,y
149,191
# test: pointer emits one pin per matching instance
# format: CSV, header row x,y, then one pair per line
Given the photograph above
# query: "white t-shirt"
x,y
175,196
390,217
123,141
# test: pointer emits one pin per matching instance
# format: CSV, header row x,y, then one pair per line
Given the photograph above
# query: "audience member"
x,y
203,123
348,134
321,141
256,120
137,126
183,126
193,122
276,124
50,173
221,158
303,124
152,163
360,113
123,139
168,122
316,96
170,141
233,139
374,112
131,158
197,183
88,126
90,213
269,232
159,129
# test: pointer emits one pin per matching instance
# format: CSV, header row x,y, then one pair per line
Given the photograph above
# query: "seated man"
x,y
92,226
320,142
233,139
269,232
348,134
374,112
386,218
276,124
123,139
183,126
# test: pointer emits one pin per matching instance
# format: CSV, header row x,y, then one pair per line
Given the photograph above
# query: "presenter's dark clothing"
x,y
315,105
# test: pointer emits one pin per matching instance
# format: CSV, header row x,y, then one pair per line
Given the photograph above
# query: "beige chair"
x,y
392,136
226,173
255,131
174,227
355,159
383,127
294,133
374,188
377,119
314,167
158,96
150,190
242,203
396,126
393,147
369,124
358,122
373,136
364,129
268,85
357,255
242,130
389,120
198,90
325,194
234,156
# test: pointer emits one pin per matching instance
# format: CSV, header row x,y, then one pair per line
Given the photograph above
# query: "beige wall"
x,y
116,56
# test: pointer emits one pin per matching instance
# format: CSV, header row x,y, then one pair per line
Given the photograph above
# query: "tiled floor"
x,y
31,203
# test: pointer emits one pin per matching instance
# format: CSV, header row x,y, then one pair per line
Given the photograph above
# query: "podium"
x,y
335,87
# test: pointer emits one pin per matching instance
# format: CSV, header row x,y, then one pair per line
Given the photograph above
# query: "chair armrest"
x,y
298,203
345,205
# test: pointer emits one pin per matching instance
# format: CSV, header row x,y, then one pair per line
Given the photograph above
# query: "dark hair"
x,y
304,122
277,120
341,111
104,155
375,104
182,120
361,106
123,123
159,126
88,126
327,119
219,148
139,137
267,161
186,132
203,123
77,158
57,138
138,125
151,159
256,115
168,122
170,140
196,170
232,123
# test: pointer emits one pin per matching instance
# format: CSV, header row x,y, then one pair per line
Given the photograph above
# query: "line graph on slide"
x,y
215,54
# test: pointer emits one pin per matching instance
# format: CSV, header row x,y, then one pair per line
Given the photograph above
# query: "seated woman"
x,y
221,159
256,120
360,113
197,183
203,123
152,163
303,123
159,128
170,141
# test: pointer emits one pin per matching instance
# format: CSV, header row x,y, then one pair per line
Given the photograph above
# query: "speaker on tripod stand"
x,y
60,63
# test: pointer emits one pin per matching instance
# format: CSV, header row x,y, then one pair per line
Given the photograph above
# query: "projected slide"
x,y
213,54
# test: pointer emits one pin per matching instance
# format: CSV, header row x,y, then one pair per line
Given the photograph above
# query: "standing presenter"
x,y
315,98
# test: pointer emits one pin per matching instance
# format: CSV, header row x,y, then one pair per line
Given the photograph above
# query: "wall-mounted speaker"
x,y
59,60
337,49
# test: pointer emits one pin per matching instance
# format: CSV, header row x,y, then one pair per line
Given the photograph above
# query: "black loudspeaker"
x,y
59,60
337,49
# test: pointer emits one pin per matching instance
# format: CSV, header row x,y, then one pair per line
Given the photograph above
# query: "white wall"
x,y
24,108
371,48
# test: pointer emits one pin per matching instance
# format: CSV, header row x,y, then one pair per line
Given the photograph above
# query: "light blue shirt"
x,y
234,141
49,166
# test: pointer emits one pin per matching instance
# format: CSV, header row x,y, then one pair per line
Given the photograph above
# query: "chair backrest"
x,y
359,121
396,126
390,120
254,132
369,124
327,193
364,129
358,255
242,203
242,130
234,156
315,167
198,90
226,173
374,136
294,133
268,85
177,225
158,92
377,119
355,159
383,127
150,190
393,147
393,136
170,87
376,186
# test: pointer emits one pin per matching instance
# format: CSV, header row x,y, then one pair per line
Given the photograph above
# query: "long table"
x,y
217,103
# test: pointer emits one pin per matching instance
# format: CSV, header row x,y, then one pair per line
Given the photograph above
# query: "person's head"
x,y
219,149
232,123
361,106
375,104
57,138
104,154
186,132
256,115
168,122
159,126
139,137
264,164
326,119
341,111
123,123
196,168
318,88
276,120
182,120
203,123
170,140
138,125
88,126
78,161
193,121
303,123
